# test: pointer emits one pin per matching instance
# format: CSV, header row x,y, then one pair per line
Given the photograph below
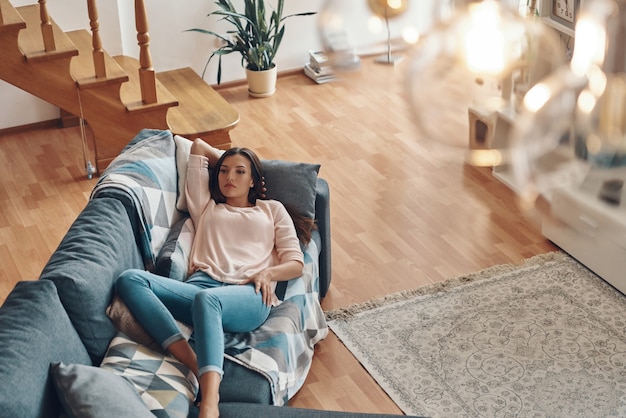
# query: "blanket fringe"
x,y
349,311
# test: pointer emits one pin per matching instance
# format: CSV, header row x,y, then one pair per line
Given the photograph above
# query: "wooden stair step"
x,y
130,92
31,42
82,66
202,111
10,19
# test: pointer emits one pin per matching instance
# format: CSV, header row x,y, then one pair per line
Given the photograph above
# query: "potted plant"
x,y
255,38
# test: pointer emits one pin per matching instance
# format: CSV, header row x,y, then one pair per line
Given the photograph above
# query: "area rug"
x,y
543,339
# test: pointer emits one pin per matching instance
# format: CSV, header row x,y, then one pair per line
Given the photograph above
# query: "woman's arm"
x,y
199,147
203,156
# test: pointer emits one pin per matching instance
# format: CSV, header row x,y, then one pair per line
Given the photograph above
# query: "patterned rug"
x,y
542,339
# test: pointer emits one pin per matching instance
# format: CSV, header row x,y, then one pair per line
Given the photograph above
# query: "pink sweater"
x,y
232,244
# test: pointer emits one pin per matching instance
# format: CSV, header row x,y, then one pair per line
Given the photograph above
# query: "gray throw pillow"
x,y
92,392
292,184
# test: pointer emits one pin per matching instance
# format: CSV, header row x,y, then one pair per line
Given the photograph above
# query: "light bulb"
x,y
485,57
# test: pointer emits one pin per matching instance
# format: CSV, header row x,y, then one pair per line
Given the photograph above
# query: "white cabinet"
x,y
590,227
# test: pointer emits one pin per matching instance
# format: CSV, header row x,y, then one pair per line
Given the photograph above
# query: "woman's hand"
x,y
262,283
281,272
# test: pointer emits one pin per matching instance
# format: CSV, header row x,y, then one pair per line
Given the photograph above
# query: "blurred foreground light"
x,y
480,61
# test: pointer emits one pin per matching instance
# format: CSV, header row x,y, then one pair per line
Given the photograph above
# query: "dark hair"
x,y
304,225
257,175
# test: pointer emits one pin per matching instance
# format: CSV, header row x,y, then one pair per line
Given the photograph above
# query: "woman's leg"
x,y
156,302
230,308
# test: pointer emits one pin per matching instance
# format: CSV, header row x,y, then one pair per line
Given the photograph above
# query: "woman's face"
x,y
235,179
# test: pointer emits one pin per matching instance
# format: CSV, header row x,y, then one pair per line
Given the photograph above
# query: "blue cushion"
x,y
91,392
34,331
97,248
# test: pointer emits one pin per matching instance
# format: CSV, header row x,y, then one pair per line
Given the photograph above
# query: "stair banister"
x,y
98,52
147,76
46,27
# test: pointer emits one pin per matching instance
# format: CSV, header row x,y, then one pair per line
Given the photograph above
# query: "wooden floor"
x,y
403,213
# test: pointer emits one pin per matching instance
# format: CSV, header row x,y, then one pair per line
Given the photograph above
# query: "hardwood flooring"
x,y
404,213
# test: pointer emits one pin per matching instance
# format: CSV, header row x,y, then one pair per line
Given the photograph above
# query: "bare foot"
x,y
208,410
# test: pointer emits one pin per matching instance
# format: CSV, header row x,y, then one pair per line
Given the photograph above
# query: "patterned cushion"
x,y
166,386
173,259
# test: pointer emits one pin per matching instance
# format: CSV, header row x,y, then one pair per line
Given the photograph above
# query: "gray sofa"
x,y
59,321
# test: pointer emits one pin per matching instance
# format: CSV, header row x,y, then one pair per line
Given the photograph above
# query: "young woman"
x,y
243,245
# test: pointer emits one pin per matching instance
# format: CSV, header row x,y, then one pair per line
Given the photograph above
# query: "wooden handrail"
x,y
98,52
147,76
46,27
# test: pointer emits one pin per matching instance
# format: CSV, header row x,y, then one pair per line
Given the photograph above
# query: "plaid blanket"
x,y
282,348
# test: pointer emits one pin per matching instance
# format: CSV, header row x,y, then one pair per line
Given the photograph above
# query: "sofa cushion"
x,y
34,331
293,184
165,385
97,248
92,392
183,149
173,259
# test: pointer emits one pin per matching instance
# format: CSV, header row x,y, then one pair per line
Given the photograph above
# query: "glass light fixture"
x,y
388,9
366,27
470,72
574,121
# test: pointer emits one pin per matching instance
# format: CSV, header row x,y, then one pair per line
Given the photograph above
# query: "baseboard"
x,y
243,82
46,124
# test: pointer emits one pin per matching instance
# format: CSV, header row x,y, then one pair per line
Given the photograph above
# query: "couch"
x,y
67,349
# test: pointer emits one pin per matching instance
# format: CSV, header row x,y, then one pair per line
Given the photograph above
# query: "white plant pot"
x,y
261,83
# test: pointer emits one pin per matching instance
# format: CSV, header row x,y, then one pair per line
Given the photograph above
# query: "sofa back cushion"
x,y
34,331
99,245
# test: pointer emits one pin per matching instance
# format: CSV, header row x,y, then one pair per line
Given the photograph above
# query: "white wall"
x,y
172,47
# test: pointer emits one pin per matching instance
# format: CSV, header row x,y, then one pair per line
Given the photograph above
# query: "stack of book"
x,y
318,68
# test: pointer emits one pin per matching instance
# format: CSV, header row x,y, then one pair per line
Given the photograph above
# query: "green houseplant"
x,y
254,37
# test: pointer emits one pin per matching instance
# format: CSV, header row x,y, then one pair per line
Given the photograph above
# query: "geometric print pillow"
x,y
173,259
166,385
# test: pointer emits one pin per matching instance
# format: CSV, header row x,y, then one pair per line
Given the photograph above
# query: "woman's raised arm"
x,y
199,147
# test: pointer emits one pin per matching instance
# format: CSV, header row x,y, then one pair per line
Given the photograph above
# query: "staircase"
x,y
116,96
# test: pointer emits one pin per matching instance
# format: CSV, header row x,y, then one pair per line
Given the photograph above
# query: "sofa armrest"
x,y
322,216
34,331
246,410
99,245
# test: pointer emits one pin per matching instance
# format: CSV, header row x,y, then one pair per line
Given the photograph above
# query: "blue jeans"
x,y
210,306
